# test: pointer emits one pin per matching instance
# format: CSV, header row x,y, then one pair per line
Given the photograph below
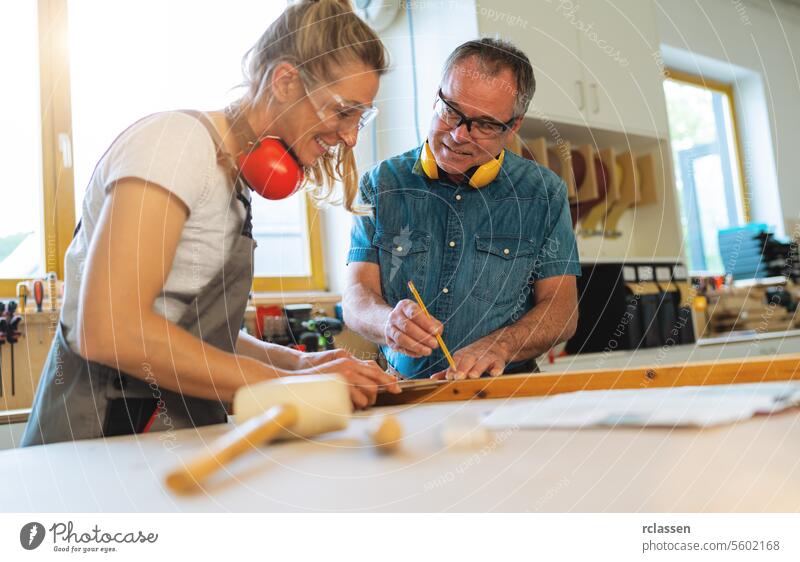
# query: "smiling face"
x,y
295,105
470,89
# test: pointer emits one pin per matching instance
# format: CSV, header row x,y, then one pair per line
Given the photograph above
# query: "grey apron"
x,y
80,399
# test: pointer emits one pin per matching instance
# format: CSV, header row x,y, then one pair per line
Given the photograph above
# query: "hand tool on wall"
x,y
12,336
3,328
293,407
22,295
52,290
38,294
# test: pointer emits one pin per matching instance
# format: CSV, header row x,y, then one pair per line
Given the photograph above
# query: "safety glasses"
x,y
347,114
478,127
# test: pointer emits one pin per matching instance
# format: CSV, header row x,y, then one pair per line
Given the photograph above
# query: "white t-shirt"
x,y
175,151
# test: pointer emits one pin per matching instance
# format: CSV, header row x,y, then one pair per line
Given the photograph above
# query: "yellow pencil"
x,y
428,314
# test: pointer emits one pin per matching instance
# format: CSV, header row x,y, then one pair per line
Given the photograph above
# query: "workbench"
x,y
750,466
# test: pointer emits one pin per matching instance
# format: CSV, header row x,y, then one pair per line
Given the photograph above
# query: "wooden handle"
x,y
254,432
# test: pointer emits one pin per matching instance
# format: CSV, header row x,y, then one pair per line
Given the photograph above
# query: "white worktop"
x,y
734,345
750,466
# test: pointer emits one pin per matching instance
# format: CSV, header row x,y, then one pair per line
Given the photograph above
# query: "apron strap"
x,y
226,161
223,158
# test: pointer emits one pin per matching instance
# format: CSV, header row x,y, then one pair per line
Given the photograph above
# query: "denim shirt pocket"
x,y
403,257
502,268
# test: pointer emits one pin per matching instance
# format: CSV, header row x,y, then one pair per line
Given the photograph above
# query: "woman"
x,y
158,274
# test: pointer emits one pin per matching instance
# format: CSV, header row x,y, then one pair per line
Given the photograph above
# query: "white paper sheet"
x,y
691,406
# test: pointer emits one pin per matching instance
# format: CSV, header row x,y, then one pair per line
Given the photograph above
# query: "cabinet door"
x,y
540,30
622,65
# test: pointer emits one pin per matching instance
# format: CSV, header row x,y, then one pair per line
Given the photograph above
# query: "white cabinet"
x,y
597,62
621,65
539,30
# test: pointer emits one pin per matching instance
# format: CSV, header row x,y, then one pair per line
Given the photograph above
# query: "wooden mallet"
x,y
286,408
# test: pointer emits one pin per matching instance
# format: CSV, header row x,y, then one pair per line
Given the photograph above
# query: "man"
x,y
484,234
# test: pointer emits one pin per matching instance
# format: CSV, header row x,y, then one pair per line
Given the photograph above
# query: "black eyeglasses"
x,y
478,128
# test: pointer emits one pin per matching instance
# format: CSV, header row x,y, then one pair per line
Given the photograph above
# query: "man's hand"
x,y
486,355
409,331
365,377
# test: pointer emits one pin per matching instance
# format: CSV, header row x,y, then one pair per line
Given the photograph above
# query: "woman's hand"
x,y
365,378
308,360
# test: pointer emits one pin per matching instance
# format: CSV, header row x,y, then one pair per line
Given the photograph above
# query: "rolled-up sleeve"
x,y
559,252
363,229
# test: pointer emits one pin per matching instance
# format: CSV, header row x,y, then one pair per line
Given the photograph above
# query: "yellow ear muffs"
x,y
484,175
428,162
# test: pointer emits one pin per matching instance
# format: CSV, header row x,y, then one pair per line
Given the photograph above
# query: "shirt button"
x,y
458,198
505,251
445,290
452,244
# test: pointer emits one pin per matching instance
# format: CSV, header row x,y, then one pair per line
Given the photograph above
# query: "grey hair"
x,y
494,55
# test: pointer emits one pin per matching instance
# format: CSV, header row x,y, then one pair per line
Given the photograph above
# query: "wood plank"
x,y
590,224
646,168
514,144
734,371
564,151
588,190
538,149
609,158
628,195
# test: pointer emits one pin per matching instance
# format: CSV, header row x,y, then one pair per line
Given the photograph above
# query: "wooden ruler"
x,y
730,371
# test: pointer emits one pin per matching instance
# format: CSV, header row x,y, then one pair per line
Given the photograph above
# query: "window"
x,y
708,166
126,59
22,227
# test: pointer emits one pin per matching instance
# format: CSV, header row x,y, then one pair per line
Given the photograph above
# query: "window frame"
x,y
58,205
314,282
58,185
727,90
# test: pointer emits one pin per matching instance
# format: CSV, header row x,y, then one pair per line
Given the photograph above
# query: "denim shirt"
x,y
473,254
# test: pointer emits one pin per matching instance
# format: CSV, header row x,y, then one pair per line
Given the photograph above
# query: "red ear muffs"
x,y
271,169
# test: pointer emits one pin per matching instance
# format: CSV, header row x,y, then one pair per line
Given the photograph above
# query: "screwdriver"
x,y
12,335
3,328
22,295
52,288
38,294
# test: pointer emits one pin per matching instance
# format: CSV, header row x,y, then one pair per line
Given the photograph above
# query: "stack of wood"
x,y
746,308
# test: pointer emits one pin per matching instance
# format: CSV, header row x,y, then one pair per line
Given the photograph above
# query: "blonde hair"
x,y
316,36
